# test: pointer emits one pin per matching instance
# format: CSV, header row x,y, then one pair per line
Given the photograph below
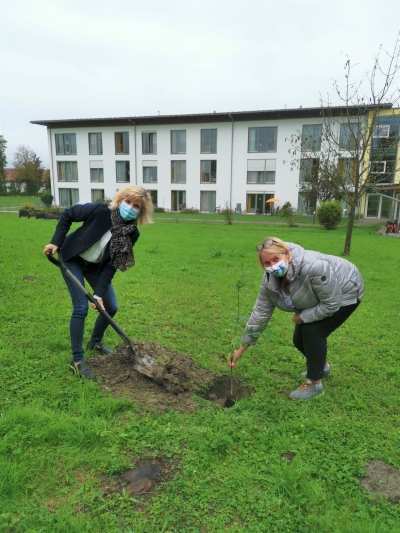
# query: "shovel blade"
x,y
145,365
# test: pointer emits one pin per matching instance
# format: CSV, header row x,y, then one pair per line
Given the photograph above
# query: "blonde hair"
x,y
135,192
277,246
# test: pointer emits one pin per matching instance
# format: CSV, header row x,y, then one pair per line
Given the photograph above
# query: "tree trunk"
x,y
349,231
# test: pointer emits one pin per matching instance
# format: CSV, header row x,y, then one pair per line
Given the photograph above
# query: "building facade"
x,y
204,161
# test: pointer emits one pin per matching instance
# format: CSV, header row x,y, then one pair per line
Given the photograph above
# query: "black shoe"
x,y
82,369
99,348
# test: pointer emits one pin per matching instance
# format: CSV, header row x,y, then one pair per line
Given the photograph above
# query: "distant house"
x,y
11,176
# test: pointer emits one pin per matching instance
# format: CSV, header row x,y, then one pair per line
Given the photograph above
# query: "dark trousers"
x,y
311,339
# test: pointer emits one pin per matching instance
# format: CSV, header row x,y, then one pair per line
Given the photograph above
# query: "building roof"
x,y
236,116
10,174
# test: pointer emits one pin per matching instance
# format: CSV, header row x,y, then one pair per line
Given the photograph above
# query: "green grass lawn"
x,y
61,437
8,203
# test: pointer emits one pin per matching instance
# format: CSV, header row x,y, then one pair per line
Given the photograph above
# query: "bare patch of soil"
x,y
142,481
176,377
382,480
174,382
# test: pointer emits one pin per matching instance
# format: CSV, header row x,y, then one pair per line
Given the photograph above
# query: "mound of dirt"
x,y
173,382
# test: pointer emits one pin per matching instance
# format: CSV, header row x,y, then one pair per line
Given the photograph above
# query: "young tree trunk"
x,y
352,215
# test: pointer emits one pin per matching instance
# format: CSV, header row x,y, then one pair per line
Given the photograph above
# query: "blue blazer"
x,y
96,220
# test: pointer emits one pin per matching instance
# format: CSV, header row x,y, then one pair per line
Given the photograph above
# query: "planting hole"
x,y
220,391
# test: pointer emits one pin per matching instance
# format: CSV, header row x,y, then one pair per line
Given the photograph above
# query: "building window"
x,y
178,171
95,144
380,207
67,170
66,143
123,171
385,136
262,139
208,141
383,171
149,143
307,203
208,201
261,170
68,197
208,171
309,169
178,142
96,171
258,204
178,200
149,171
349,136
347,168
154,197
97,195
122,142
96,175
311,138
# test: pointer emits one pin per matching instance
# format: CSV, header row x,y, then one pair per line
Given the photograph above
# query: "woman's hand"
x,y
100,302
50,248
233,359
296,319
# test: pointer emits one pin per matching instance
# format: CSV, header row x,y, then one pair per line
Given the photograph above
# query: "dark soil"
x,y
382,480
219,391
143,481
174,383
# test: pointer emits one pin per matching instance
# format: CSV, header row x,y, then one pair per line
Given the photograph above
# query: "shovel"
x,y
142,365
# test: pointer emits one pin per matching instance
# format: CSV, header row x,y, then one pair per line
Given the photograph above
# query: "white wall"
x,y
285,187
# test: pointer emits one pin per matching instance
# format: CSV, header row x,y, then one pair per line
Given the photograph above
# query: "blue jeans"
x,y
90,271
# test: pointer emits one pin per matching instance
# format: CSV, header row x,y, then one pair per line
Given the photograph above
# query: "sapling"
x,y
240,284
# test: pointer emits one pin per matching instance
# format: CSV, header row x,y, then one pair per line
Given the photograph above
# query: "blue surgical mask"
x,y
279,269
127,212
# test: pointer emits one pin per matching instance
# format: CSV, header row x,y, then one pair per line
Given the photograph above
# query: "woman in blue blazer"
x,y
102,245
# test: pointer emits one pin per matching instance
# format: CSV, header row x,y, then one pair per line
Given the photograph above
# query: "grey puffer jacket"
x,y
319,285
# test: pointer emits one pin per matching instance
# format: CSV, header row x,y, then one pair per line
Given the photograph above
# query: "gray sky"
x,y
110,58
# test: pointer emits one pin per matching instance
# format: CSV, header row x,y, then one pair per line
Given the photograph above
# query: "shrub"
x,y
47,198
286,210
189,211
28,206
329,214
228,214
159,210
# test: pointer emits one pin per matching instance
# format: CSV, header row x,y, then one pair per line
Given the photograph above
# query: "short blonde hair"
x,y
273,245
135,192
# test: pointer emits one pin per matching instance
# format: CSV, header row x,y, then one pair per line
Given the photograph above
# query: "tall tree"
x,y
3,164
354,150
46,180
29,170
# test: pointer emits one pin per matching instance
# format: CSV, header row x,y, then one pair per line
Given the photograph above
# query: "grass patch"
x,y
61,437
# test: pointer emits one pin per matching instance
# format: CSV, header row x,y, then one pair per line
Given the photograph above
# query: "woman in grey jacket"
x,y
321,290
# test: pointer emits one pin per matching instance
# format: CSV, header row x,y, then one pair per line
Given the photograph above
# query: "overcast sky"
x,y
110,58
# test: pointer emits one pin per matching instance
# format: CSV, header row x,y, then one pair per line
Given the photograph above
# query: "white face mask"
x,y
279,269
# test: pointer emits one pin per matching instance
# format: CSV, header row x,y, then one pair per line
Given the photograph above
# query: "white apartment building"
x,y
205,161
